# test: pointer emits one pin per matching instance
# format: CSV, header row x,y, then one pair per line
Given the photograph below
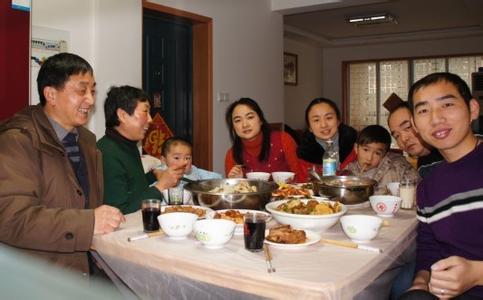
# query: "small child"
x,y
177,152
375,161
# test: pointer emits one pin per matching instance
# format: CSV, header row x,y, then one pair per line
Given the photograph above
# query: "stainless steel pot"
x,y
349,189
255,200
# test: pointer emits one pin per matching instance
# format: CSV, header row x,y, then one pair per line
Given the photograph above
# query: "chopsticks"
x,y
351,245
145,236
268,258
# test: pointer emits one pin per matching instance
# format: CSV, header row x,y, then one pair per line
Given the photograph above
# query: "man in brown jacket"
x,y
51,184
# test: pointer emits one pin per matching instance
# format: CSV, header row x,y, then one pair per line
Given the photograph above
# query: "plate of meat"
x,y
284,236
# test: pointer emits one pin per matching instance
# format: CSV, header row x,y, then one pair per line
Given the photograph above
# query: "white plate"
x,y
208,211
239,227
312,238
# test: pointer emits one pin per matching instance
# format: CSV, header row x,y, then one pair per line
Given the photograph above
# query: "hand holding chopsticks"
x,y
145,236
351,245
268,258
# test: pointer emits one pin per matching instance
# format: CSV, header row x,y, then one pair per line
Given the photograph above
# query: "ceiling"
x,y
326,25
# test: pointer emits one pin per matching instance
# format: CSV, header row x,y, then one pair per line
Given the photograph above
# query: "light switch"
x,y
223,97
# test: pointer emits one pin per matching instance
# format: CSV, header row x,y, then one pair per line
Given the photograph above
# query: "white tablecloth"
x,y
163,268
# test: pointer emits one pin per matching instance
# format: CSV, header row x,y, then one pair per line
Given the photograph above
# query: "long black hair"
x,y
236,140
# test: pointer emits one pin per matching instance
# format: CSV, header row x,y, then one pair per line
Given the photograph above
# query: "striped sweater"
x,y
450,211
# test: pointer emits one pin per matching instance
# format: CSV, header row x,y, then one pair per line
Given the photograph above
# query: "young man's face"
x,y
403,132
178,156
443,119
370,155
70,106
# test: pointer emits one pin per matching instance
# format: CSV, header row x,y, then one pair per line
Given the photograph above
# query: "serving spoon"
x,y
314,174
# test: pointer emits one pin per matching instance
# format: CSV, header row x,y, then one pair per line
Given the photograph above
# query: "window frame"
x,y
410,60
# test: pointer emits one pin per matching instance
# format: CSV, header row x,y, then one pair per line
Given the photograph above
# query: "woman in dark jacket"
x,y
323,121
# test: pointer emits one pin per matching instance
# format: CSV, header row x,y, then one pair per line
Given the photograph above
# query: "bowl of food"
x,y
177,225
214,233
258,176
346,189
311,214
385,205
283,177
232,193
360,228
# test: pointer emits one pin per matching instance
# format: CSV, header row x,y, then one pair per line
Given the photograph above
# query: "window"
x,y
370,83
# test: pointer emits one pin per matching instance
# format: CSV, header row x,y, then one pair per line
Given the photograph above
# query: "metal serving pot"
x,y
255,200
349,189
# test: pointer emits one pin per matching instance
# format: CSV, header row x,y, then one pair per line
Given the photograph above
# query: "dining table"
x,y
163,268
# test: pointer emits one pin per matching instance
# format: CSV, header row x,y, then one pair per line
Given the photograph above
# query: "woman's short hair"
x,y
124,97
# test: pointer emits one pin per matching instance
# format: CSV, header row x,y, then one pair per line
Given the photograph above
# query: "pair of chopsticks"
x,y
351,245
268,258
145,236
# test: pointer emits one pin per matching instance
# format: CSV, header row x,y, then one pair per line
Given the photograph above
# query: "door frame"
x,y
202,41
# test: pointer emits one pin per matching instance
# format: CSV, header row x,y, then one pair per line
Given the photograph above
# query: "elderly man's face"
x,y
406,137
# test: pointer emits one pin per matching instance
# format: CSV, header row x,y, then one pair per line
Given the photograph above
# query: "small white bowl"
x,y
282,177
177,225
393,188
258,176
360,228
385,205
214,233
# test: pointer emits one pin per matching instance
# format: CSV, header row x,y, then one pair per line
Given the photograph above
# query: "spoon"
x,y
314,174
188,180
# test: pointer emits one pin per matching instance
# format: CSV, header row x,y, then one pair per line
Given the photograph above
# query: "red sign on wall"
x,y
158,132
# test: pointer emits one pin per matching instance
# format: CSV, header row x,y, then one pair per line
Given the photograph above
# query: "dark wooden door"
x,y
167,70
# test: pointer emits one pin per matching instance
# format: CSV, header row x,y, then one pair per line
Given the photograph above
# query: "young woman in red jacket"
x,y
255,146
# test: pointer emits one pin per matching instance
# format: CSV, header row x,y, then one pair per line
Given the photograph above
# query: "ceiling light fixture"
x,y
372,19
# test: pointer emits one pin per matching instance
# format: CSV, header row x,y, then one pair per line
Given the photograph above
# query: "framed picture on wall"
x,y
290,71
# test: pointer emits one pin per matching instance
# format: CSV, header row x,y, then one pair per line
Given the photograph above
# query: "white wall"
x,y
107,33
333,57
247,59
309,79
247,50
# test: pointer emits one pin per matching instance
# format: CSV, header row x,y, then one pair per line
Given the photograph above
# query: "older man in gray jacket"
x,y
51,184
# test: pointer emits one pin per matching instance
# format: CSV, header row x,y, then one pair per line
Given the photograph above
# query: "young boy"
x,y
176,152
450,200
374,160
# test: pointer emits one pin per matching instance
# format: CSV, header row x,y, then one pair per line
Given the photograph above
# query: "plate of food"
x,y
286,190
284,236
236,215
201,211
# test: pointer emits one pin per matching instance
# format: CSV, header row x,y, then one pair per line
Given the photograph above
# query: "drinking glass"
x,y
407,192
151,209
175,196
254,231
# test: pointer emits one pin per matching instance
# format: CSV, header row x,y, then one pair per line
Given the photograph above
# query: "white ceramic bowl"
x,y
385,205
258,176
282,177
311,222
393,188
360,228
177,225
214,233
